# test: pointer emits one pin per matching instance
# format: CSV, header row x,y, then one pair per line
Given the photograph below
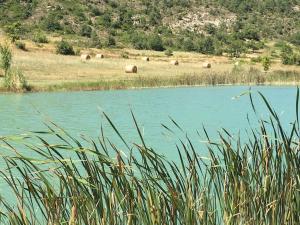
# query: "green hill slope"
x,y
206,26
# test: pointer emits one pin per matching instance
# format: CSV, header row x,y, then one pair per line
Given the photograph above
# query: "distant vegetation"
x,y
152,24
13,77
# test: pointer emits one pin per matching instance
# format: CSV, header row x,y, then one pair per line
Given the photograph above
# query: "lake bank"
x,y
237,77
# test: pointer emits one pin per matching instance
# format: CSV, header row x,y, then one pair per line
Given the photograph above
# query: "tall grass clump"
x,y
53,178
6,58
14,79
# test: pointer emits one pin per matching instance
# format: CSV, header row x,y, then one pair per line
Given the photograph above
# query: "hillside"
x,y
206,26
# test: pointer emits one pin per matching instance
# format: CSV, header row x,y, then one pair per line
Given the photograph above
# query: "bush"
x,y
64,48
111,42
205,45
266,63
86,31
15,31
15,80
40,38
5,58
155,43
21,45
125,55
168,52
236,48
295,38
95,41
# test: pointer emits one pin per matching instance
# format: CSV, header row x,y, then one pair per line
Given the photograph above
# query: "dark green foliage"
x,y
188,45
64,48
40,38
95,41
15,31
236,48
155,43
86,31
136,22
168,52
21,45
51,23
205,45
295,38
5,58
111,42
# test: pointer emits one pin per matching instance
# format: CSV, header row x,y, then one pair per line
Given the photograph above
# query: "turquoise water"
x,y
81,112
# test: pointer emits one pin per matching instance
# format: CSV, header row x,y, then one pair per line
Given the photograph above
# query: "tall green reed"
x,y
93,182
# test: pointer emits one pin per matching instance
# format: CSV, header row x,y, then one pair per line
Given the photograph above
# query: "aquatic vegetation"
x,y
55,178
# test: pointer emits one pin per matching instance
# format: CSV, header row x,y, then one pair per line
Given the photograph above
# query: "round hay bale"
x,y
146,59
131,69
174,62
99,56
85,57
206,65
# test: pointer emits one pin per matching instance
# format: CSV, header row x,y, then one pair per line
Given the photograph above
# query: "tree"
x,y
155,43
236,48
266,63
86,31
64,48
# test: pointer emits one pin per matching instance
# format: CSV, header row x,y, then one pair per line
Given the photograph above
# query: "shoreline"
x,y
230,78
78,88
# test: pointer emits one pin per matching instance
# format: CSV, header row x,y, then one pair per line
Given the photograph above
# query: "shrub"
x,y
15,80
51,23
21,45
155,43
236,48
295,38
168,52
110,41
125,55
40,38
205,45
266,63
64,48
95,41
188,45
86,31
15,31
6,58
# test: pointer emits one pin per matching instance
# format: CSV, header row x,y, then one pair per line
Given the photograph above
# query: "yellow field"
x,y
42,67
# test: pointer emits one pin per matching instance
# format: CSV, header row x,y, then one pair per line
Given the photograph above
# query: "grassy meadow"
x,y
45,70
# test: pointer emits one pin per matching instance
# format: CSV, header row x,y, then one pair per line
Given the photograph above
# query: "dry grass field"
x,y
42,67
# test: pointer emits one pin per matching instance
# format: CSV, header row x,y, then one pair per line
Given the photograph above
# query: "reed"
x,y
100,182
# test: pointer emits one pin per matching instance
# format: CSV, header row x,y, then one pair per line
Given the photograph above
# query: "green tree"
x,y
64,48
266,63
155,43
86,31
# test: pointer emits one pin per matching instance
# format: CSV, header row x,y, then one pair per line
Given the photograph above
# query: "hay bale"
x,y
146,59
174,62
85,57
131,69
99,56
206,65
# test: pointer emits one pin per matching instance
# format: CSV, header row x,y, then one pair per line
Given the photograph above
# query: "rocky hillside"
x,y
208,26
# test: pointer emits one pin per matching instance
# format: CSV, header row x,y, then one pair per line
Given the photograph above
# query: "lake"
x,y
193,107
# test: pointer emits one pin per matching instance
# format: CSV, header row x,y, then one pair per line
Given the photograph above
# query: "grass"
x,y
47,71
71,181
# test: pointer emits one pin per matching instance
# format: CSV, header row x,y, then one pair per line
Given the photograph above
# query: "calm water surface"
x,y
81,112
